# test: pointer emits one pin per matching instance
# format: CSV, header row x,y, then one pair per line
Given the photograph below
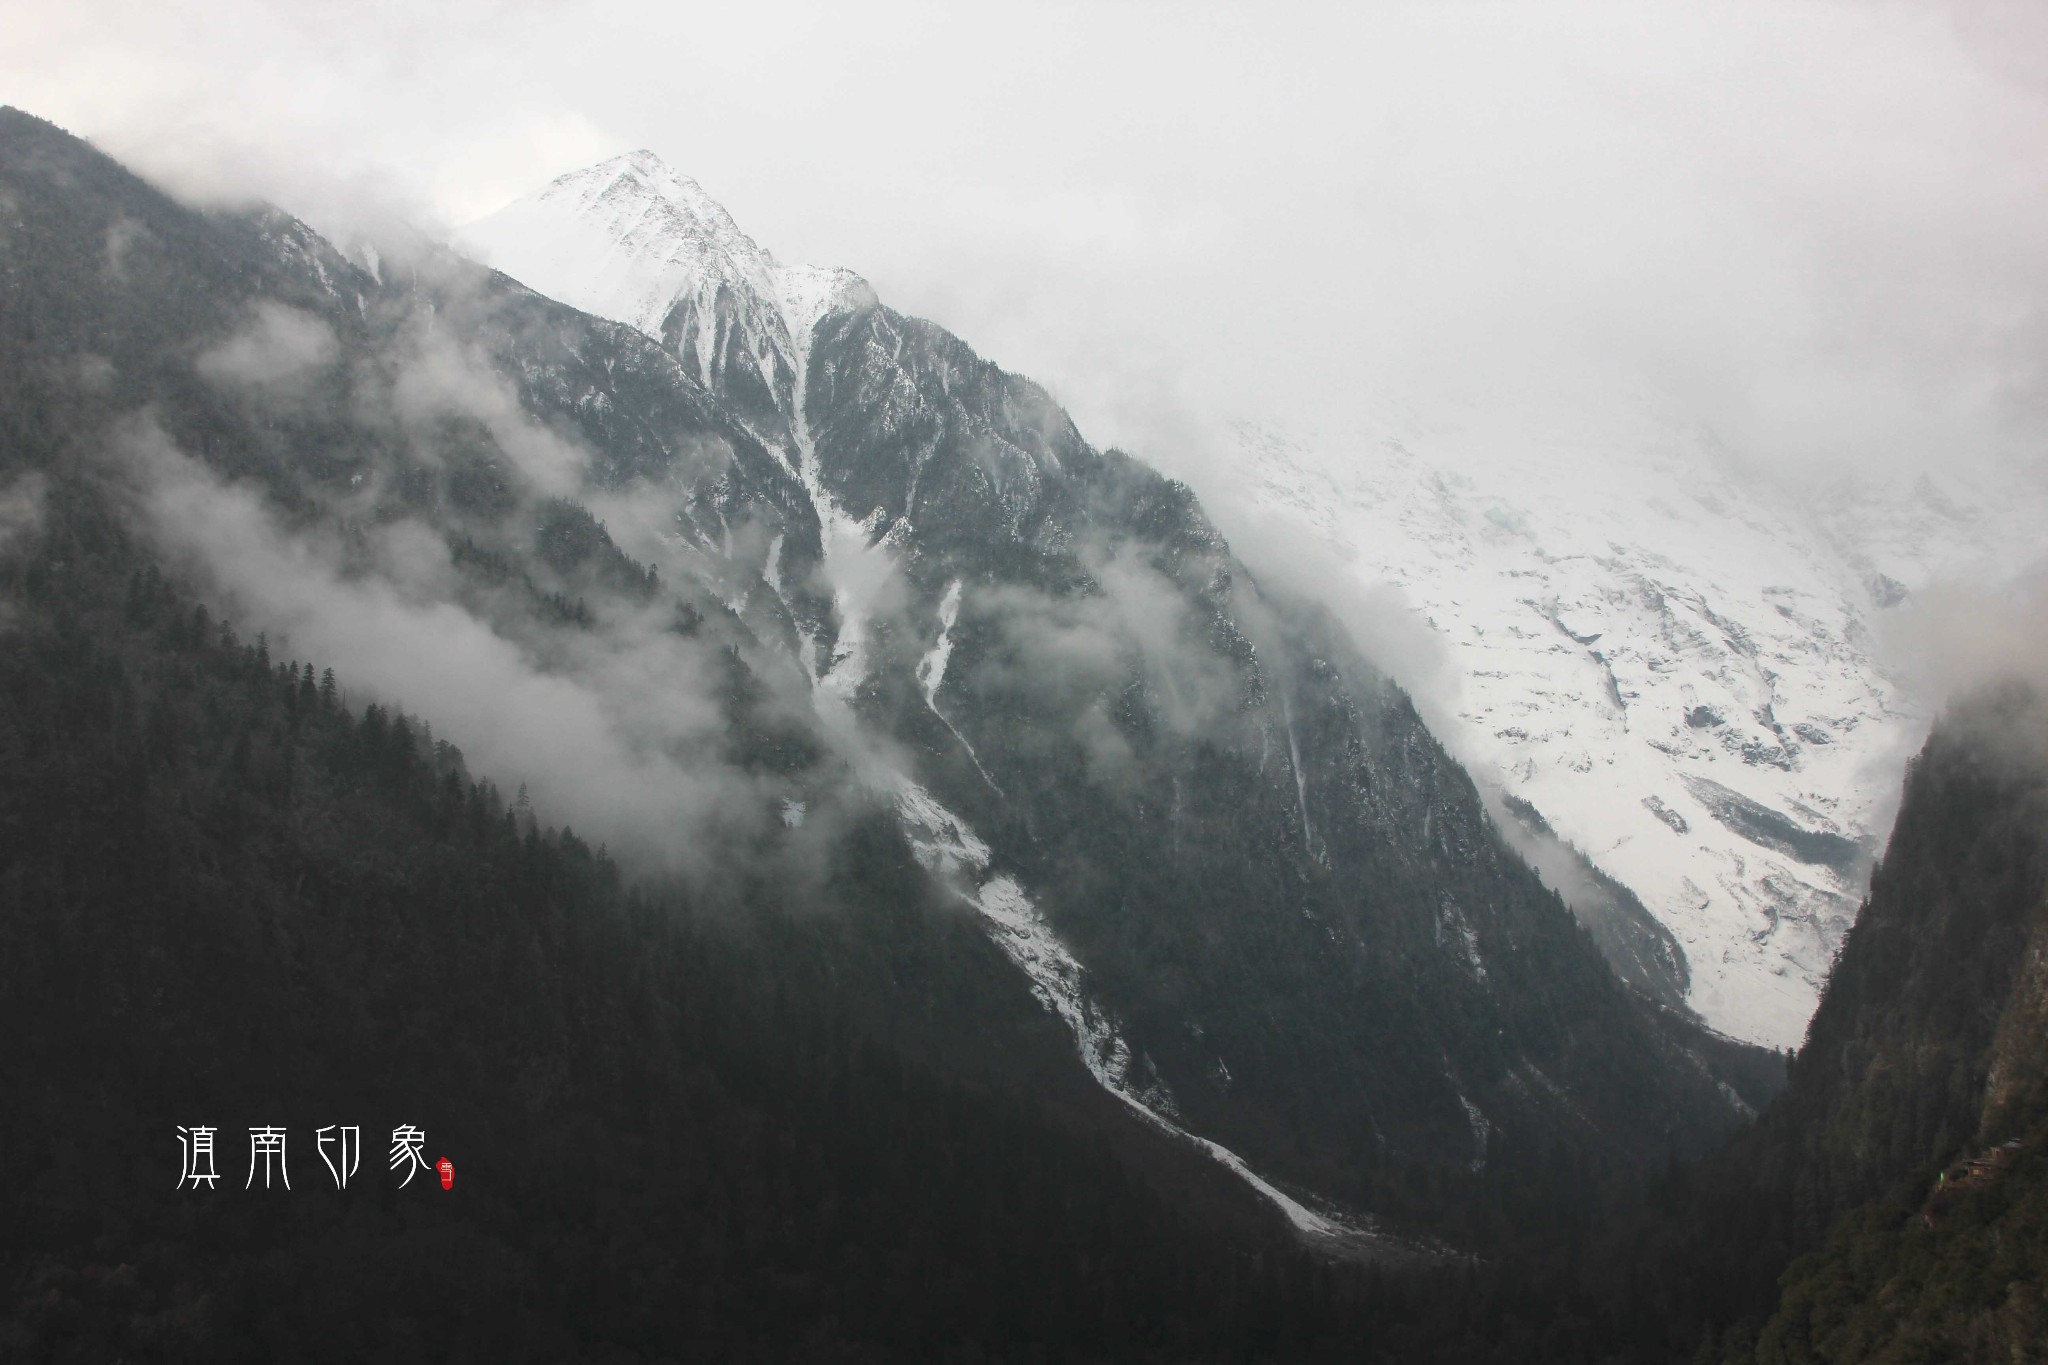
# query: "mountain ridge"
x,y
1294,929
917,443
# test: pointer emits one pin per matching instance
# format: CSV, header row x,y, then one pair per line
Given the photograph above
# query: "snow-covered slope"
x,y
1672,659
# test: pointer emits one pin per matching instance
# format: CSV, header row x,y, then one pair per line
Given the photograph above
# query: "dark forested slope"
x,y
229,898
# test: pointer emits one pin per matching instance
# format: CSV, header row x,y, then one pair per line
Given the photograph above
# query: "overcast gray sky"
x,y
1818,228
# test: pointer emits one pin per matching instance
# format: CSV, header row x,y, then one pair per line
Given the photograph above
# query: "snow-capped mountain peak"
x,y
624,239
636,241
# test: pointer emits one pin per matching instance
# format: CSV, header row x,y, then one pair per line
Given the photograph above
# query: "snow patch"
x,y
1453,930
809,294
931,669
626,239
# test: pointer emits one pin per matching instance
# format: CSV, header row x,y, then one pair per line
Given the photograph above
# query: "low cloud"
x,y
1951,639
618,737
1953,644
863,577
1287,554
122,236
279,347
1071,648
21,512
438,377
1809,227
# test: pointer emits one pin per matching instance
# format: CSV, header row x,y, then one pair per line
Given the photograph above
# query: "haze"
x,y
1813,228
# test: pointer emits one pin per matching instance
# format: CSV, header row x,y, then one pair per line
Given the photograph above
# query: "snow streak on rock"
x,y
945,845
931,669
931,675
1308,834
1480,1130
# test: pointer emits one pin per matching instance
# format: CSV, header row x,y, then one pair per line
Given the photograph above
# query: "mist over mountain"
x,y
827,835
1220,845
645,224
1795,244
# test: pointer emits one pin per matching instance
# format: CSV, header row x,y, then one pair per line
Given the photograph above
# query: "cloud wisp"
x,y
622,741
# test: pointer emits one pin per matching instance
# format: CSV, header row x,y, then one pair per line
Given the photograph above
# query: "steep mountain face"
x,y
1299,931
1669,665
761,554
1828,1230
